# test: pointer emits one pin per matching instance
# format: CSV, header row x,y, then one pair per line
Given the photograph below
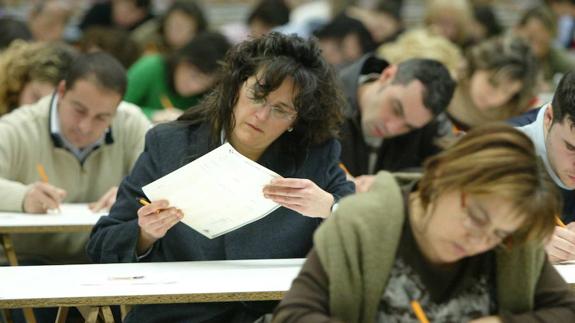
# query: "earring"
x,y
290,129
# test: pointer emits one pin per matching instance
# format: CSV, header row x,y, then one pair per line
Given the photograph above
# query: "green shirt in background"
x,y
148,83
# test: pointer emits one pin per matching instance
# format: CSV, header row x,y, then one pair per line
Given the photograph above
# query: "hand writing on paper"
x,y
561,246
487,319
42,197
300,195
363,183
106,201
155,219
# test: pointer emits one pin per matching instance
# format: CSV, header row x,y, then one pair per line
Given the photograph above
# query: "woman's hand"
x,y
155,219
561,246
300,195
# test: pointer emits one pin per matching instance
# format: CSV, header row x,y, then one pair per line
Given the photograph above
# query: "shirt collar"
x,y
61,142
536,131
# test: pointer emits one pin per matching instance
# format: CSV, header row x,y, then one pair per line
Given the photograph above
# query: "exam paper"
x,y
218,192
75,209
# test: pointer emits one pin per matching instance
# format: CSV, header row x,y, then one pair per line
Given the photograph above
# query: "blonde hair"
x,y
461,10
422,43
497,160
23,62
510,57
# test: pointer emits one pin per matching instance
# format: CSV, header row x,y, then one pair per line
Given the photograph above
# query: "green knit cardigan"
x,y
357,247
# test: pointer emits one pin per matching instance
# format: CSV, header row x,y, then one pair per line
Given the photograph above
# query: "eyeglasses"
x,y
478,224
276,112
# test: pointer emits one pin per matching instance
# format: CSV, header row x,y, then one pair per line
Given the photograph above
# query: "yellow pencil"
x,y
419,313
143,201
342,166
42,172
559,222
166,102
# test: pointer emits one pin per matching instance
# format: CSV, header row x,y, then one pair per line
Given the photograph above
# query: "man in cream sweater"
x,y
84,138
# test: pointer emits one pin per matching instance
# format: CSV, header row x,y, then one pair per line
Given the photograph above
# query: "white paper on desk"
x,y
218,192
75,209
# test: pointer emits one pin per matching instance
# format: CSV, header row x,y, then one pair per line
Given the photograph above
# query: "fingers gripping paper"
x,y
218,192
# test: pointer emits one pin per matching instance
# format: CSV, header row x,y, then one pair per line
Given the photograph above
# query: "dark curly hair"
x,y
273,58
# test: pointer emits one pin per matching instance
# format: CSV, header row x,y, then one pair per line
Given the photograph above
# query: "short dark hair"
x,y
485,15
145,4
190,8
343,25
113,40
204,52
564,99
437,82
275,57
270,12
544,15
99,68
13,29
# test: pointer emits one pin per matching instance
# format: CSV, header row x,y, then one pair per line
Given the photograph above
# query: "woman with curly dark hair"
x,y
277,103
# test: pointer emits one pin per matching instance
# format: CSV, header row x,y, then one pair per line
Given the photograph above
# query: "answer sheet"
x,y
218,192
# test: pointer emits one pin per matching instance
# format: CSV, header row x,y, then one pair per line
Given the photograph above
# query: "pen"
x,y
142,201
44,178
166,103
125,277
342,166
419,313
42,172
559,222
145,202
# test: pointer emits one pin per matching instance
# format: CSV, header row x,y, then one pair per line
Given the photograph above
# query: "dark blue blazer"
x,y
568,214
282,234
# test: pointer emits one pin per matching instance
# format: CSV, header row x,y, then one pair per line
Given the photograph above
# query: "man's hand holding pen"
x,y
41,197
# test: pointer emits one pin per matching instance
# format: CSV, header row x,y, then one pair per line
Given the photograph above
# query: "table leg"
x,y
62,314
107,314
7,316
124,309
9,249
90,313
29,315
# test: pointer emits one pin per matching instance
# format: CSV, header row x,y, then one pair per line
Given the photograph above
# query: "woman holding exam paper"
x,y
276,103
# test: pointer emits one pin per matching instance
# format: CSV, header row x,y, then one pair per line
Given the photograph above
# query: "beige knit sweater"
x,y
26,141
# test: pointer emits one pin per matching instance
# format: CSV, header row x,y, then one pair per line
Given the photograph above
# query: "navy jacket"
x,y
403,152
568,195
281,234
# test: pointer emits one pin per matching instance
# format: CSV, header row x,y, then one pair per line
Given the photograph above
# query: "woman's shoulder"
x,y
148,63
330,145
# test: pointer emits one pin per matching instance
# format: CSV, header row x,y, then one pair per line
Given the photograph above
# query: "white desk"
x,y
73,218
170,282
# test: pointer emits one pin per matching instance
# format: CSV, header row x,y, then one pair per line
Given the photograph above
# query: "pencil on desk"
x,y
419,313
559,222
42,172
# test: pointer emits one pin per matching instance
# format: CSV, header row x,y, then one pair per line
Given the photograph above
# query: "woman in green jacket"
x,y
166,85
464,242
